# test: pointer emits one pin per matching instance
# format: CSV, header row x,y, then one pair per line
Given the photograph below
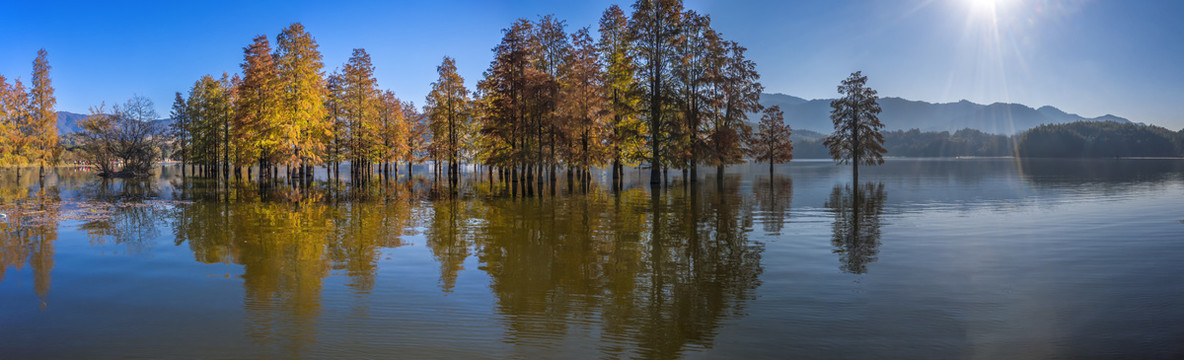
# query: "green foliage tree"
x,y
857,138
1091,139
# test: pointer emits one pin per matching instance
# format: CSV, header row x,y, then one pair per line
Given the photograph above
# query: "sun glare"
x,y
988,8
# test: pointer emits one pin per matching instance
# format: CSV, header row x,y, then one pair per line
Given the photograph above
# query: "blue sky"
x,y
1085,57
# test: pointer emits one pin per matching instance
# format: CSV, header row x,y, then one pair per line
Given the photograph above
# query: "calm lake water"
x,y
942,259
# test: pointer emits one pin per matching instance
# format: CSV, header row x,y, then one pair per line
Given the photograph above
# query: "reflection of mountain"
x,y
856,230
652,274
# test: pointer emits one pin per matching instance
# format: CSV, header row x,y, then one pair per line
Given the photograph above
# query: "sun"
x,y
988,6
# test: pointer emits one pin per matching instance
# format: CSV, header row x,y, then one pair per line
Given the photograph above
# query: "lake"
x,y
942,259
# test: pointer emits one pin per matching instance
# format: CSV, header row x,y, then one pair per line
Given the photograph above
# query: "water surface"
x,y
986,258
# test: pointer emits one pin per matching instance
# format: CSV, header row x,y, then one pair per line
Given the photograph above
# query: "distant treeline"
x,y
1085,139
1101,139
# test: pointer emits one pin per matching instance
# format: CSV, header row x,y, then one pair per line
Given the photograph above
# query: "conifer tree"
x,y
654,27
359,108
583,103
621,88
15,125
179,129
857,138
44,125
302,94
448,114
739,92
771,140
392,132
552,48
257,121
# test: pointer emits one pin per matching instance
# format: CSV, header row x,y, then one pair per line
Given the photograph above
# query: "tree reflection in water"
x,y
653,274
287,249
659,270
856,230
772,197
29,229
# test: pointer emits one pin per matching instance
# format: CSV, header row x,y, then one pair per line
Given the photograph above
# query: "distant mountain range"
x,y
898,114
68,122
901,114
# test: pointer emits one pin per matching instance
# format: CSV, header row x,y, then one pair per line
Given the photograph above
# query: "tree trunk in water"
x,y
719,173
855,173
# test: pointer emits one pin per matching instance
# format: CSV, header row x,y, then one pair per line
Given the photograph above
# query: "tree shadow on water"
x,y
856,230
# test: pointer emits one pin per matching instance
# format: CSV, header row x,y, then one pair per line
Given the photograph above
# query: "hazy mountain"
x,y
68,122
901,114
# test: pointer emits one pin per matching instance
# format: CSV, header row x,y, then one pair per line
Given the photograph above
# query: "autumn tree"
x,y
448,113
335,119
503,107
738,94
257,121
210,107
392,133
583,104
771,140
654,28
16,126
302,95
359,109
627,129
44,119
552,48
857,138
418,135
693,52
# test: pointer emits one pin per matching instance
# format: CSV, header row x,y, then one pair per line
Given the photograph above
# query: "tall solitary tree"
x,y
45,119
447,108
771,141
857,138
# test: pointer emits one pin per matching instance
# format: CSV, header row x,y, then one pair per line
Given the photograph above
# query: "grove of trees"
x,y
658,87
28,121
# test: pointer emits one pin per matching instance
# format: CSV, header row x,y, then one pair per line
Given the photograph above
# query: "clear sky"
x,y
1085,57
